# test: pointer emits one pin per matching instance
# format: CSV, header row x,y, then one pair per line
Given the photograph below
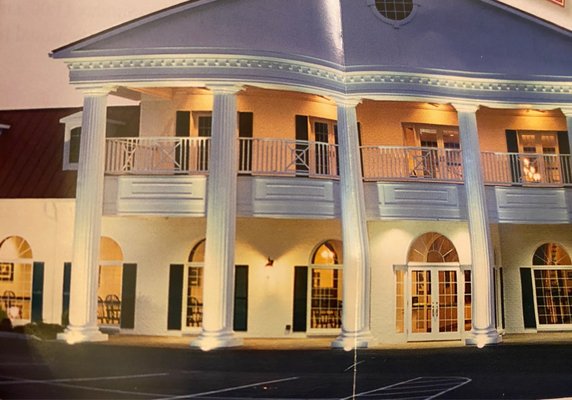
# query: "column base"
x,y
483,337
215,340
352,340
80,334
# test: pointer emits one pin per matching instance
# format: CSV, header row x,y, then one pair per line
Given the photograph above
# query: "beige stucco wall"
x,y
381,121
518,244
47,226
389,244
153,243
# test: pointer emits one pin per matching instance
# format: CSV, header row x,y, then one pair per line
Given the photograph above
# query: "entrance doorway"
x,y
435,303
433,291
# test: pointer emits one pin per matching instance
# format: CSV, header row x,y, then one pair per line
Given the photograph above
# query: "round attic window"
x,y
395,12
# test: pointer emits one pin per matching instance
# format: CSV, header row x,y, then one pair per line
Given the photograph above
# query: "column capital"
x,y
567,111
97,90
224,88
466,107
346,101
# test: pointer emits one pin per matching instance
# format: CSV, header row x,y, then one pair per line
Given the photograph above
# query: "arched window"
x,y
109,283
432,247
550,254
194,309
326,291
16,277
553,284
394,12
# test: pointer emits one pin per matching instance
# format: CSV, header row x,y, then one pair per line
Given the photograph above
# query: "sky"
x,y
31,29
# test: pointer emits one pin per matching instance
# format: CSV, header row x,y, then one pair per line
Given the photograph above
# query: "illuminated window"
x,y
326,289
433,247
553,286
16,277
194,307
109,282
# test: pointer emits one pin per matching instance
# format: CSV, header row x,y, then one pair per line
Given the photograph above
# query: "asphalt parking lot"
x,y
32,369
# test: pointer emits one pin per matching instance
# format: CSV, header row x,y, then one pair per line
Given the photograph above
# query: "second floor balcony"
x,y
284,157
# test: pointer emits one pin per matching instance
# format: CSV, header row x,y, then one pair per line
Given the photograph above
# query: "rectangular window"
x,y
399,301
75,139
194,297
326,302
553,296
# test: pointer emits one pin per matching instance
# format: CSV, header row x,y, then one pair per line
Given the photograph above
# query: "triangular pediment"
x,y
461,36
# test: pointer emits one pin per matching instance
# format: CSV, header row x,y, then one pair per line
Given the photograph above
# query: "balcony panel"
x,y
415,200
533,205
284,197
155,195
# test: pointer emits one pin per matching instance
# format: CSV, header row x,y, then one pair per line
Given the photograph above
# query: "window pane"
x,y
326,303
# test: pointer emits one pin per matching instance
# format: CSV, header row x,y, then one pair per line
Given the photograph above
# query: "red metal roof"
x,y
31,151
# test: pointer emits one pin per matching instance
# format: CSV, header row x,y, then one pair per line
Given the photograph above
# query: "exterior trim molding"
x,y
201,70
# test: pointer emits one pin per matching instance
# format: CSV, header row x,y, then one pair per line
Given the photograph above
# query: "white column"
x,y
221,224
567,111
356,272
483,331
87,225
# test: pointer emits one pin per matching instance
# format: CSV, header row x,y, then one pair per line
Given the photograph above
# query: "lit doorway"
x,y
433,291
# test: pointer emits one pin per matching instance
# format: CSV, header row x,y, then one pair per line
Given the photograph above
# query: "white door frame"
x,y
434,269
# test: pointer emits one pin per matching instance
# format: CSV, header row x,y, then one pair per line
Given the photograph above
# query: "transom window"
x,y
432,247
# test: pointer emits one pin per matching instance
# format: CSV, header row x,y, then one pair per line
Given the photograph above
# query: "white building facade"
x,y
375,171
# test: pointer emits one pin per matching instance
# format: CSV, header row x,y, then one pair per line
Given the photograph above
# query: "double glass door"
x,y
440,156
436,303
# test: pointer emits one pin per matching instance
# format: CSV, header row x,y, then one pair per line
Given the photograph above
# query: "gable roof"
x,y
31,151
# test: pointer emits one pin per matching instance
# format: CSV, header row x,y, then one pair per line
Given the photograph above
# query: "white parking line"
x,y
426,388
230,389
63,382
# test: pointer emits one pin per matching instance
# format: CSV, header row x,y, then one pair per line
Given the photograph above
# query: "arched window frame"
x,y
395,23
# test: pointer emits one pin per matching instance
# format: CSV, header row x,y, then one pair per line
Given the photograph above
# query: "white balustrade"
x,y
278,157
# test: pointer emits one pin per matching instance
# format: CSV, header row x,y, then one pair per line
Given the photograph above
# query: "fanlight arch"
x,y
14,248
197,253
551,254
110,250
432,247
329,252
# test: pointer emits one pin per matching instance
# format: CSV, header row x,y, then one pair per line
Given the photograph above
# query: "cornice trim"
x,y
245,69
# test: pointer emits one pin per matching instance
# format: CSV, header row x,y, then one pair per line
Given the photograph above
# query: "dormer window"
x,y
394,12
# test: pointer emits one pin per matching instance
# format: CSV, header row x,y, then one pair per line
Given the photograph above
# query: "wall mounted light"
x,y
270,262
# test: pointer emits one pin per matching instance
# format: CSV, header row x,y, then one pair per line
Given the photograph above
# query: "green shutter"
x,y
66,294
128,296
300,299
241,298
37,292
301,149
528,312
245,130
183,124
512,147
564,148
175,310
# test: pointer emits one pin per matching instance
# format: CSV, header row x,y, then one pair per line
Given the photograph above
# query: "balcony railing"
x,y
282,157
171,155
287,157
157,155
411,163
445,165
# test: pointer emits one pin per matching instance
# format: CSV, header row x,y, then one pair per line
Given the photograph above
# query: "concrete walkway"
x,y
323,343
